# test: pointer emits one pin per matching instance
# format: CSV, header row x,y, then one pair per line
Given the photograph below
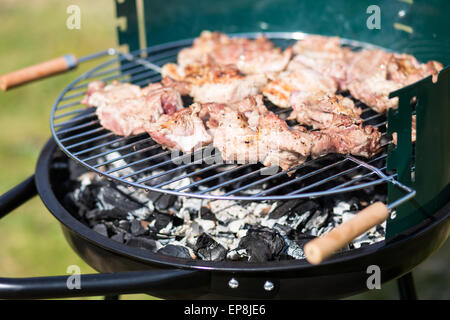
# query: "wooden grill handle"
x,y
321,248
38,71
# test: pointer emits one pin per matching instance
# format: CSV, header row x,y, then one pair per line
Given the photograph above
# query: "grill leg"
x,y
406,287
116,297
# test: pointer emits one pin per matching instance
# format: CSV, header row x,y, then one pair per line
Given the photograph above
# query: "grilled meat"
x,y
283,147
373,74
225,77
212,82
246,132
279,90
367,79
374,92
271,142
250,105
353,139
183,130
405,69
248,56
252,108
323,54
125,108
320,110
100,94
365,64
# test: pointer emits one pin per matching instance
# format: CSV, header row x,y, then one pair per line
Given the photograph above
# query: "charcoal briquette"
x,y
141,242
283,209
162,220
206,214
165,201
112,211
108,198
282,228
124,224
119,237
105,214
101,228
301,239
317,220
175,251
136,228
154,196
306,206
262,244
208,249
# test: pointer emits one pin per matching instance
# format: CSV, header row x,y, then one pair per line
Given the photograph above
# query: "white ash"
x,y
118,163
238,254
341,208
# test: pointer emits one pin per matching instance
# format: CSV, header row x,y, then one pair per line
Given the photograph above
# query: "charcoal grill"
x,y
421,225
85,141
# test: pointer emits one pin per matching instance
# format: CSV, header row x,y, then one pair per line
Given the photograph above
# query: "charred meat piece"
x,y
353,139
279,90
183,130
320,110
125,108
249,56
323,54
212,82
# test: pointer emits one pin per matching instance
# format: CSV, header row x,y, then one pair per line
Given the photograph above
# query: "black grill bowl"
x,y
344,274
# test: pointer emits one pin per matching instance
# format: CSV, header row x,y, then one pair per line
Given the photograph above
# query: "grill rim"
x,y
182,43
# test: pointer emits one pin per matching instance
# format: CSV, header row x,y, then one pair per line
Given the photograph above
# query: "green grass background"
x,y
30,238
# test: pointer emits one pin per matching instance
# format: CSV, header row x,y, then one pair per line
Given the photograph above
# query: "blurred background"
x,y
30,238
